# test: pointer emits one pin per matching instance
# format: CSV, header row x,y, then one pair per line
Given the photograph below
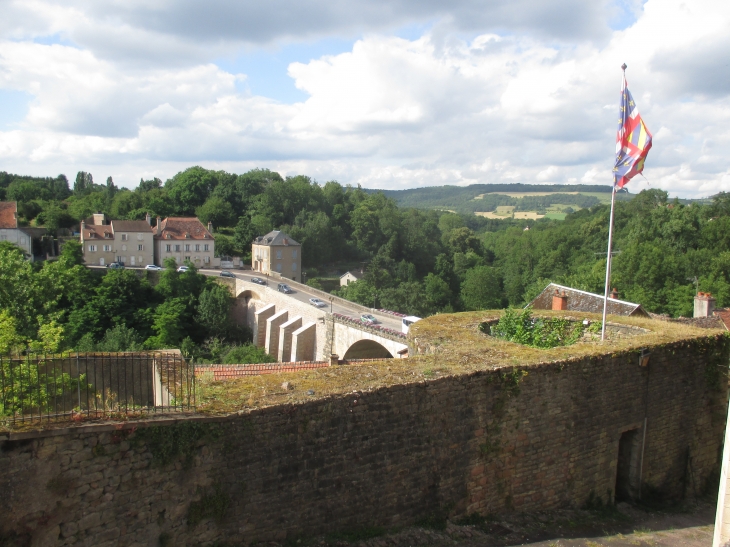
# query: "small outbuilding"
x,y
349,277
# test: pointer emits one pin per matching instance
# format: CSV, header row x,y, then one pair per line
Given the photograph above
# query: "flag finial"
x,y
624,67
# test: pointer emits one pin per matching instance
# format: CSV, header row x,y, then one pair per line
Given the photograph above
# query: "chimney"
x,y
210,226
99,219
704,304
159,223
148,218
614,294
560,301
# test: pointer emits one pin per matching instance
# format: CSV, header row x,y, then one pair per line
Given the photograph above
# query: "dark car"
x,y
115,266
258,281
226,273
283,287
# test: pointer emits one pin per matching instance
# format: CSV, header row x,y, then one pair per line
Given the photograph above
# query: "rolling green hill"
x,y
539,198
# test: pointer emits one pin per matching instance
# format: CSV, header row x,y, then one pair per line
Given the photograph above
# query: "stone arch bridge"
x,y
293,330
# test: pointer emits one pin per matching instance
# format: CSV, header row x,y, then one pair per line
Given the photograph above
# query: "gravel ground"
x,y
686,526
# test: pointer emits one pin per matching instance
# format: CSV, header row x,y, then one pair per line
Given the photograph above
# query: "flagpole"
x,y
608,266
610,238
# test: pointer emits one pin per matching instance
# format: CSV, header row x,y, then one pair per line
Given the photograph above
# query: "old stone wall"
x,y
530,438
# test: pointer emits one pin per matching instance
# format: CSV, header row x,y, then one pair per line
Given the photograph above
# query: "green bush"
x,y
247,354
540,332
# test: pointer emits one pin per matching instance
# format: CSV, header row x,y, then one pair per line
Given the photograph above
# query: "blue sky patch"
x,y
13,107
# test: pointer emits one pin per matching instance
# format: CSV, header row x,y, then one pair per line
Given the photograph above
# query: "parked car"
x,y
154,267
317,302
183,269
258,281
283,287
115,266
369,319
226,273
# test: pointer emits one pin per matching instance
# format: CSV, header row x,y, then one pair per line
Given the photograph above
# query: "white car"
x,y
154,267
369,319
317,302
183,269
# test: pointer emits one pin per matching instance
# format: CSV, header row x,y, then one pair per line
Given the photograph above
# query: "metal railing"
x,y
80,386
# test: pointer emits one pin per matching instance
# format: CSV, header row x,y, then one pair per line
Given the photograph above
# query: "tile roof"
x,y
130,226
585,301
182,228
275,237
8,218
97,231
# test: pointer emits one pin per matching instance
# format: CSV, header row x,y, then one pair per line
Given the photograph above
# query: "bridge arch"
x,y
367,349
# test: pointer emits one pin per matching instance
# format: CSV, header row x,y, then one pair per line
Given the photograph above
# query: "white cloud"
x,y
139,95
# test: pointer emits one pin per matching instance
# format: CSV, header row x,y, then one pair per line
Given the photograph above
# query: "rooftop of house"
x,y
182,228
583,301
8,214
355,274
131,226
275,237
96,231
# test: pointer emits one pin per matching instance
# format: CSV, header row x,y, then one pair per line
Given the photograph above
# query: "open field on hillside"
x,y
525,194
529,215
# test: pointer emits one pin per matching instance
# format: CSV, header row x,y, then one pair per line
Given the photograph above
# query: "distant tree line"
x,y
417,261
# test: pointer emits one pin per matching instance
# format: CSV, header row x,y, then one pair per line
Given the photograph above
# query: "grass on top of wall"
x,y
453,345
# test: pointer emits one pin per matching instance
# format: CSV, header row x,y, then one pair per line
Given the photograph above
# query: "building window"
x,y
168,248
205,247
278,254
177,248
140,247
278,267
107,248
124,237
124,247
187,248
92,248
121,259
139,237
206,259
187,259
294,267
197,248
293,253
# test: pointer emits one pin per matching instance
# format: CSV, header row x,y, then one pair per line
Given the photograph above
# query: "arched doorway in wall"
x,y
367,349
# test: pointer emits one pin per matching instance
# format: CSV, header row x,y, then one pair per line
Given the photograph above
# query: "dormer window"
x,y
168,236
187,235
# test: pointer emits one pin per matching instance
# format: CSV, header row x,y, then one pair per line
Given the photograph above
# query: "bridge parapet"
x,y
385,332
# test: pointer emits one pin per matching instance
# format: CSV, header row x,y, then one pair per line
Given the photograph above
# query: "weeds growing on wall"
x,y
167,443
540,332
213,505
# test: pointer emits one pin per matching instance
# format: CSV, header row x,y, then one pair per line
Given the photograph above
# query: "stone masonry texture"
x,y
486,442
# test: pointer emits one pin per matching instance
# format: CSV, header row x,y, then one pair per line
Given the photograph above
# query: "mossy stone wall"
x,y
516,438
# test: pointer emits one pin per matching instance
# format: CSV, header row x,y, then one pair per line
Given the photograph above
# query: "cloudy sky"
x,y
388,94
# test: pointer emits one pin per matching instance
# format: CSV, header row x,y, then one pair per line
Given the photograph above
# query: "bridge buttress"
x,y
303,343
285,334
259,326
272,331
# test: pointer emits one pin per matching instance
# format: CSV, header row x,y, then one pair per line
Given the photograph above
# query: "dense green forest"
x,y
60,305
418,261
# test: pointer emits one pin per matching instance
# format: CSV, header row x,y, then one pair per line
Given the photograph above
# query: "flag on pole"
x,y
633,140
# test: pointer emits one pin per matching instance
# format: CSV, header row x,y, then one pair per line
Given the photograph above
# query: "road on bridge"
x,y
354,310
